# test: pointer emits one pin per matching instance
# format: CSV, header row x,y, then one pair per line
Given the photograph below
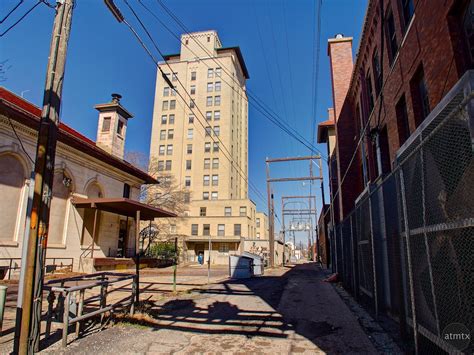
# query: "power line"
x,y
11,11
19,140
259,194
264,109
22,17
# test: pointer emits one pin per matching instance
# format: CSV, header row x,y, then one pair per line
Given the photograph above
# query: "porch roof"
x,y
123,206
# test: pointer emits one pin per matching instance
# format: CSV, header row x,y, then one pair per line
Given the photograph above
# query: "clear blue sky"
x,y
103,57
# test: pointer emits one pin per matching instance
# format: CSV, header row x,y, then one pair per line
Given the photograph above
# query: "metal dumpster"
x,y
240,267
257,263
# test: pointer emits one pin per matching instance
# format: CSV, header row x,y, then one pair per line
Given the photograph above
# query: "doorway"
x,y
122,239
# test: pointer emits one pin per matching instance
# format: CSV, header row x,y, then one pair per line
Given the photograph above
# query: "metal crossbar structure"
x,y
406,250
270,201
9,265
71,299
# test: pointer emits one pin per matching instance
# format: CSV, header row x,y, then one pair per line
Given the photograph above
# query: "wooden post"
x,y
137,253
66,320
93,234
175,263
79,311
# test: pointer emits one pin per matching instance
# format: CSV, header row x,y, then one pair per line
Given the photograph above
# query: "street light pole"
x,y
43,184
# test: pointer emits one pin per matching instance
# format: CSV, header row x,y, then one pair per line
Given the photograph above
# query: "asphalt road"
x,y
287,311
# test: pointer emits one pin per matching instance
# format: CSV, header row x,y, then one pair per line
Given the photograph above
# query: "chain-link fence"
x,y
407,249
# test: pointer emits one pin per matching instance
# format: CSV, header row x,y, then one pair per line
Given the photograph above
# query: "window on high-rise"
x,y
243,211
391,37
221,230
215,180
237,230
191,119
408,9
171,119
193,75
173,91
206,229
164,106
161,150
188,164
187,197
207,147
203,211
168,165
169,149
164,119
217,86
258,222
170,133
215,163
207,163
419,94
217,100
215,147
166,91
218,72
172,104
187,181
217,130
370,94
403,126
228,211
189,149
161,165
174,77
193,90
210,73
192,104
208,131
205,181
210,87
214,195
208,115
377,71
209,101
205,195
190,133
217,115
194,229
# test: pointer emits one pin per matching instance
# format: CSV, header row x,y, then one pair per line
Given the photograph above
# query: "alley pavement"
x,y
288,311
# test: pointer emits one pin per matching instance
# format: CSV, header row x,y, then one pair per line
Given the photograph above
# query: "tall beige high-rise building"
x,y
203,144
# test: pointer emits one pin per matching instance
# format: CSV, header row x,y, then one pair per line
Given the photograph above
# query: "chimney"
x,y
112,126
340,58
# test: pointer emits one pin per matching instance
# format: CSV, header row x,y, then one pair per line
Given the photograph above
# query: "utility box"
x,y
240,267
257,263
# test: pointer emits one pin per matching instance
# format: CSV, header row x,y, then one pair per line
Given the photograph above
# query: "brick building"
x,y
407,61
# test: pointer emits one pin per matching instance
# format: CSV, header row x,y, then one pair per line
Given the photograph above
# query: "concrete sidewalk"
x,y
289,310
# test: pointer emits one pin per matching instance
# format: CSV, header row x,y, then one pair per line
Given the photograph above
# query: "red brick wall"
x,y
433,40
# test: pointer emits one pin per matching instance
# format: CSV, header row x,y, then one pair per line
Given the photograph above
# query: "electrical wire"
x,y
22,17
11,11
19,140
239,170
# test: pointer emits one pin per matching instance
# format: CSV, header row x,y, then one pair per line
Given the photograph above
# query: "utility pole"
x,y
271,219
43,185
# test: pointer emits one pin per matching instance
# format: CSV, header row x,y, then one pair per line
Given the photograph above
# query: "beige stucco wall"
x,y
83,170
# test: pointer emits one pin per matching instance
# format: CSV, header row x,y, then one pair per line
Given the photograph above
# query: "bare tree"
x,y
168,195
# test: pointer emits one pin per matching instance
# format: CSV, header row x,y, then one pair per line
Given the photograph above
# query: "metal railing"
x,y
406,250
71,299
9,265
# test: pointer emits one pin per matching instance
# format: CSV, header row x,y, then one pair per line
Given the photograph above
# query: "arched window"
x,y
92,191
12,180
61,191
